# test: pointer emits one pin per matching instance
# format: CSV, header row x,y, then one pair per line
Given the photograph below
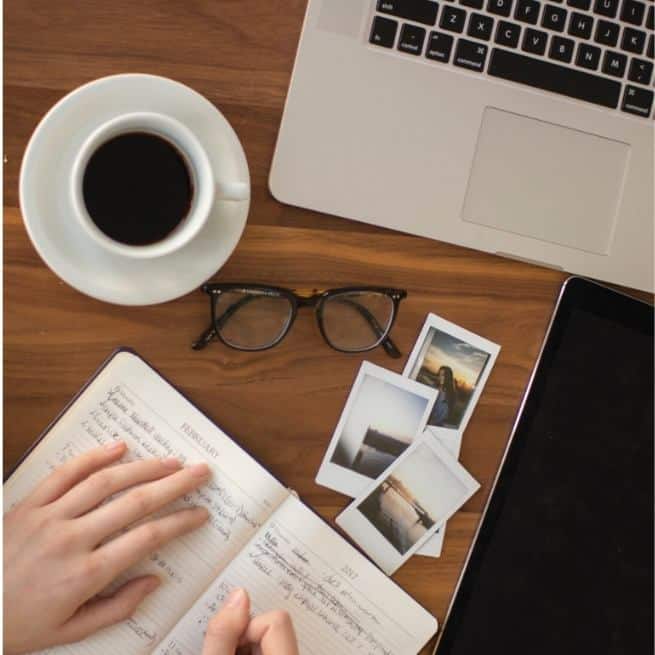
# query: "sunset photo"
x,y
383,420
409,501
452,366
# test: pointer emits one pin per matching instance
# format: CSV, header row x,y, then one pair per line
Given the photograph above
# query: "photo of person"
x,y
452,365
381,421
408,503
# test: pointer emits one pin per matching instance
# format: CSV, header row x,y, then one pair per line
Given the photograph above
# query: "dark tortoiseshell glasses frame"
x,y
317,300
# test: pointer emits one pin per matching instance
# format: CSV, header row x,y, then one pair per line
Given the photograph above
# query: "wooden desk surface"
x,y
282,405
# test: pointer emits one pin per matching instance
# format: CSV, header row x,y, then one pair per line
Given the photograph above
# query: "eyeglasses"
x,y
256,317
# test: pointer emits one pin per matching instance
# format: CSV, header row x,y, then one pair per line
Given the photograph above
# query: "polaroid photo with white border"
x,y
383,415
407,504
457,363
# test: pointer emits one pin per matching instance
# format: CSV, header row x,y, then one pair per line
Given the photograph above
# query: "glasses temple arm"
x,y
205,338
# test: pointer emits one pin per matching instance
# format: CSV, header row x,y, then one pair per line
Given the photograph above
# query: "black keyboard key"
x,y
637,101
640,71
499,7
606,7
588,56
579,4
527,11
480,26
439,47
383,32
553,18
633,12
471,55
475,4
545,75
534,41
633,40
580,25
561,49
614,63
420,11
650,50
607,33
411,39
508,34
650,20
452,19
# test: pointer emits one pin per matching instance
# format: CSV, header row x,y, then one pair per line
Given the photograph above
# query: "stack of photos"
x,y
385,412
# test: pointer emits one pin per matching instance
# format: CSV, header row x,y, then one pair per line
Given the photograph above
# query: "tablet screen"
x,y
563,562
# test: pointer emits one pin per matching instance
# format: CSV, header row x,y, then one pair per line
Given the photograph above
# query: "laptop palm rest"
x,y
546,181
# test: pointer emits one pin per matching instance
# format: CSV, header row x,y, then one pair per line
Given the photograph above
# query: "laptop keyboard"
x,y
599,51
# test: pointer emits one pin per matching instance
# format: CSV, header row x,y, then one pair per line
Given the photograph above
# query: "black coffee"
x,y
137,188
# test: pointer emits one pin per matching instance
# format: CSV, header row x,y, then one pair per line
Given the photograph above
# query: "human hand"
x,y
232,628
56,554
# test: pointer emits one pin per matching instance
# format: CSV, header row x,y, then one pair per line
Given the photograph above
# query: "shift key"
x,y
470,55
637,100
420,11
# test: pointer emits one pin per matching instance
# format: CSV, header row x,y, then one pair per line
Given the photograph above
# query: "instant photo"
x,y
407,504
455,362
384,413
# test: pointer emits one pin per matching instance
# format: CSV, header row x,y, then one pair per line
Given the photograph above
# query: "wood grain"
x,y
281,405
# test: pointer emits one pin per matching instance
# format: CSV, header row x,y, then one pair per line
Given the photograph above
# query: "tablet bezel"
x,y
576,293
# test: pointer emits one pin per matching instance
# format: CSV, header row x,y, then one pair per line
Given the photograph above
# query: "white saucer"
x,y
46,207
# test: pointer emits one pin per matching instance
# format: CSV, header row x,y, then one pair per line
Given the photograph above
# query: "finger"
x,y
111,480
141,502
226,627
73,471
273,633
106,611
117,555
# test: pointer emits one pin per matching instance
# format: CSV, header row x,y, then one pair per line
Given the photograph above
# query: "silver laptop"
x,y
517,127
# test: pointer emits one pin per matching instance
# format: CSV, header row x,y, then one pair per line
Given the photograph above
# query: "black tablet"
x,y
563,559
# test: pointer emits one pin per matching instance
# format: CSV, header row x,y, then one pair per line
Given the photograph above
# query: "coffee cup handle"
x,y
234,191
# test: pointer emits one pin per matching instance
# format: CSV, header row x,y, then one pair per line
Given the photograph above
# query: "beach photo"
x,y
382,416
455,363
382,421
405,506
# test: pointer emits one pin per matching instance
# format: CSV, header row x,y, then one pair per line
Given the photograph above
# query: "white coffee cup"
x,y
207,189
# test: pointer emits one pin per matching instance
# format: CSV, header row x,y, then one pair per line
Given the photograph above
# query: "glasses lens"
x,y
357,320
251,319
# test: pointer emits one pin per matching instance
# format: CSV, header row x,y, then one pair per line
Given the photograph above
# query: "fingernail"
x,y
200,470
236,598
152,584
171,463
114,445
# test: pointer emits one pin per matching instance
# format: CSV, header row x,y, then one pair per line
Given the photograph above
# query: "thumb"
x,y
226,628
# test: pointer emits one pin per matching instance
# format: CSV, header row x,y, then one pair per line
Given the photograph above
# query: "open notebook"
x,y
260,536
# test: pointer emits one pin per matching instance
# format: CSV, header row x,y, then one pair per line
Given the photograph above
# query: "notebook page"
x,y
129,400
339,602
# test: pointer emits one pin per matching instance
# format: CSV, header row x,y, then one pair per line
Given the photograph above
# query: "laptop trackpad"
x,y
546,181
